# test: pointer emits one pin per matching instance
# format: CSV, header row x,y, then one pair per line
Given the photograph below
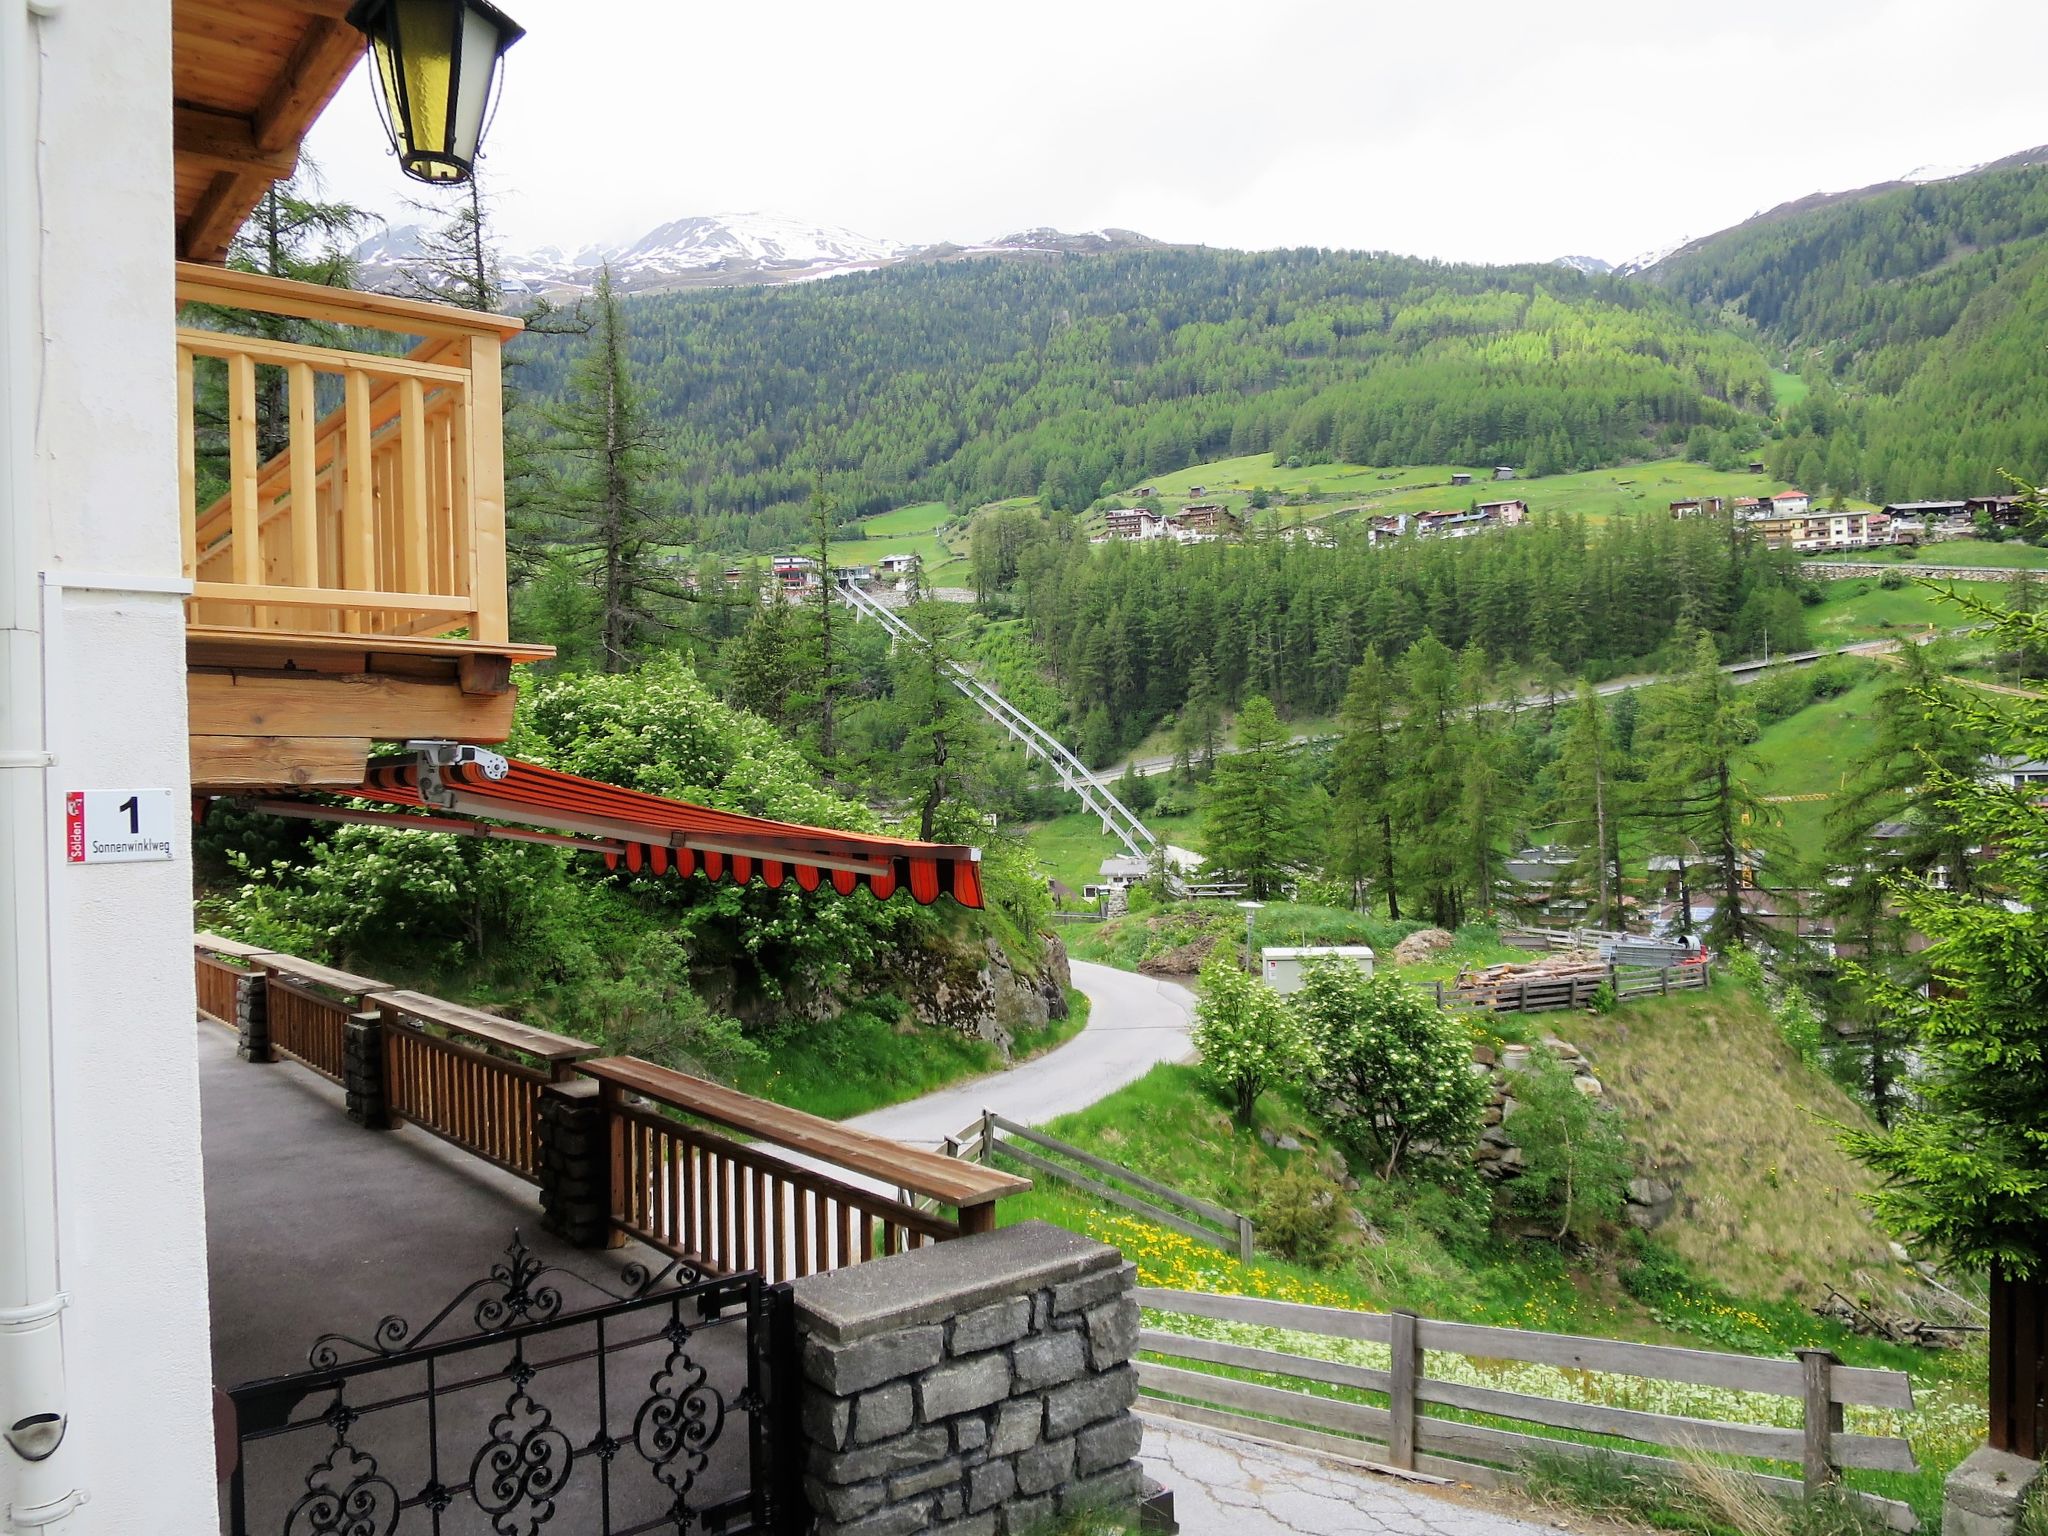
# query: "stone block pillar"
x,y
575,1163
362,1067
252,1017
977,1388
1987,1494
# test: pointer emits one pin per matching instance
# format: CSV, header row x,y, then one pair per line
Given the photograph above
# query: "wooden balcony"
x,y
343,516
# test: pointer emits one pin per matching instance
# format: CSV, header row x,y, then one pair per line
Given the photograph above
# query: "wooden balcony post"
x,y
358,514
485,406
305,565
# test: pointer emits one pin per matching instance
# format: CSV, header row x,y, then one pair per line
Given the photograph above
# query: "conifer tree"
x,y
1701,731
1363,786
1254,801
599,509
1430,782
1589,773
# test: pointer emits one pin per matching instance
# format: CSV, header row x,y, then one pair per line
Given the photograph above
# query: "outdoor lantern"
x,y
433,64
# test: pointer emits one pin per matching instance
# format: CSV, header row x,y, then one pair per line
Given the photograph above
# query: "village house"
x,y
1509,514
1947,516
897,565
1756,466
1461,478
796,573
1699,504
1791,503
1132,523
2005,511
1205,518
1451,525
1387,528
1503,471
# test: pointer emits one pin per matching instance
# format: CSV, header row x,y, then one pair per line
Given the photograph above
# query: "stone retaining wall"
x,y
975,1388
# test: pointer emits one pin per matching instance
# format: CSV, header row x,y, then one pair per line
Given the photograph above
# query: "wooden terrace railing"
x,y
381,515
800,1196
465,1090
309,1007
721,1205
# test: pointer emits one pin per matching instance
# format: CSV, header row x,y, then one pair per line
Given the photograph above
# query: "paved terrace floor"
x,y
315,1225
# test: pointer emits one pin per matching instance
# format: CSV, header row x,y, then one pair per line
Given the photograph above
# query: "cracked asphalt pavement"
x,y
1224,1485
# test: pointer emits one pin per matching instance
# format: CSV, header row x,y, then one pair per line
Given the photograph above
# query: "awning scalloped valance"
x,y
650,834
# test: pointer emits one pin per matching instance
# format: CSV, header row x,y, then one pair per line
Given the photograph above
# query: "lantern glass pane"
x,y
473,85
427,32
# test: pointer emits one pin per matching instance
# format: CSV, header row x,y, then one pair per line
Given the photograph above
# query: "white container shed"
x,y
1284,969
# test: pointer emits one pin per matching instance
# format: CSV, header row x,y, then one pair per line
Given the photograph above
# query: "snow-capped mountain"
x,y
1592,266
719,250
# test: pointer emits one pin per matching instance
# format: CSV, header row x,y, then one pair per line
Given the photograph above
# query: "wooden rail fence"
x,y
1479,1452
1200,1219
810,1195
1542,994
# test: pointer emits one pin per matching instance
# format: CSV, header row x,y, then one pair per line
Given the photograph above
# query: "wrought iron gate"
x,y
654,1408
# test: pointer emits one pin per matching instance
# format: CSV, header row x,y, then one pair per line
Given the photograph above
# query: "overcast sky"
x,y
1464,129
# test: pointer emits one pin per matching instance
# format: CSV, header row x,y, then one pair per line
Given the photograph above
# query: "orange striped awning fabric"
x,y
648,834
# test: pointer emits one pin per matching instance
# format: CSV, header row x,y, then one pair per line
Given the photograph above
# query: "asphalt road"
x,y
1134,1023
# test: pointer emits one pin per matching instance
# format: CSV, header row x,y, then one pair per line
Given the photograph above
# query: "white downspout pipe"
x,y
37,1491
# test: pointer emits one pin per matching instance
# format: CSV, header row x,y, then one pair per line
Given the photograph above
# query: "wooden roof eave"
x,y
238,115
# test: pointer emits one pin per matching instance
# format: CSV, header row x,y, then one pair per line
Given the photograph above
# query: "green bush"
x,y
1575,1160
1297,1214
1604,999
1390,1071
1247,1036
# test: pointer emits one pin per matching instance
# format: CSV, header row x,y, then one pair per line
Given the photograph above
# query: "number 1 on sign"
x,y
133,806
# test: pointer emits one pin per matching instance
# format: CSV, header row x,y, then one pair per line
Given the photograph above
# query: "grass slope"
x,y
1815,751
923,530
1769,1204
1597,495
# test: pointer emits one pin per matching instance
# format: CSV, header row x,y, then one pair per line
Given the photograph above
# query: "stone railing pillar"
x,y
252,1017
362,1066
575,1163
982,1385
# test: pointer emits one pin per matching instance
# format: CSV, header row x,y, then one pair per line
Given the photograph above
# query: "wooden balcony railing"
x,y
382,514
800,1196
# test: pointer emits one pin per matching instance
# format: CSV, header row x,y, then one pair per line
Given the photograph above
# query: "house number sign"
x,y
117,826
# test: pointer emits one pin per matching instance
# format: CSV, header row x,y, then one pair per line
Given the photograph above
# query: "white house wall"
x,y
131,1233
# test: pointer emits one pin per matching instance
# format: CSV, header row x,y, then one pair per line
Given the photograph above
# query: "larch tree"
x,y
1696,789
1363,786
1254,813
1430,782
598,510
1589,762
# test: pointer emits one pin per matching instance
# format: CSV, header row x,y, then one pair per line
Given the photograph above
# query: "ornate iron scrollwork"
x,y
681,1418
524,1464
345,1494
518,1290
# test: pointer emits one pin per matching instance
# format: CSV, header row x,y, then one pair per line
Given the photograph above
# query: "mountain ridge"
x,y
725,250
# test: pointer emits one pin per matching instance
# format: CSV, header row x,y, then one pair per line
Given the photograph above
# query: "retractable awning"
x,y
644,832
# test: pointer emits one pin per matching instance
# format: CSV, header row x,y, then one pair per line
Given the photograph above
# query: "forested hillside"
x,y
1130,631
973,381
1918,314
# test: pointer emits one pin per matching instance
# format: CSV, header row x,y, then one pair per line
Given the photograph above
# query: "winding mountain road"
x,y
1134,1023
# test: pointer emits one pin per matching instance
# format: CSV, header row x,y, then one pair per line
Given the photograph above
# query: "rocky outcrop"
x,y
978,989
1497,1154
1182,959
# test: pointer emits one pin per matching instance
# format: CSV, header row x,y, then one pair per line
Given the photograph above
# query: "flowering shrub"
x,y
1391,1071
1247,1035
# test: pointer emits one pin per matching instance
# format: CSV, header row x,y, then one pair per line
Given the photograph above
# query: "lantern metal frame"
x,y
376,20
